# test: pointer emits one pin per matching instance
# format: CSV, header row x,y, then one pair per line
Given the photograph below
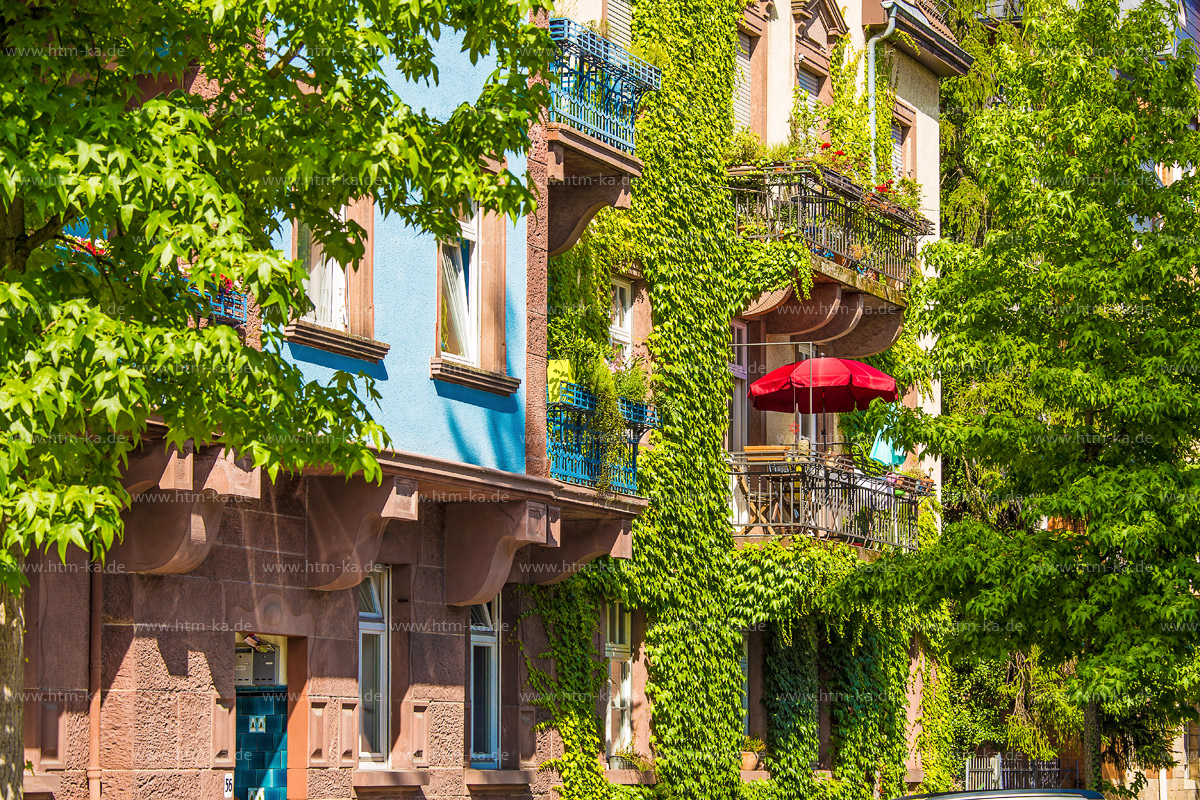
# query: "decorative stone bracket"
x,y
178,498
583,540
573,205
481,540
346,520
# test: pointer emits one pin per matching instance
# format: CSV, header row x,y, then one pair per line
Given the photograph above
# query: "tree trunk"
x,y
1091,746
12,687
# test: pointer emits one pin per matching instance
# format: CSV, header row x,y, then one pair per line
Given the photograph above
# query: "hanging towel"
x,y
885,453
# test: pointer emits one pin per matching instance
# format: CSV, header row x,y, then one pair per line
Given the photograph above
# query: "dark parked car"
x,y
1011,794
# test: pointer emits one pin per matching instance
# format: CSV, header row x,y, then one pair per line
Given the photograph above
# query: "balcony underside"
x,y
585,175
850,321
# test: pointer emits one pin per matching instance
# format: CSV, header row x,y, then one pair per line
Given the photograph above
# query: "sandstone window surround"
x,y
904,120
342,320
470,347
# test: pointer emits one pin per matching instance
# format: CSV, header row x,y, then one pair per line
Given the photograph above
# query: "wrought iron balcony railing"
x,y
825,496
600,84
832,214
579,453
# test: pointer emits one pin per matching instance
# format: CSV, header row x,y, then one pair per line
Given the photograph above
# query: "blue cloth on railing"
x,y
885,452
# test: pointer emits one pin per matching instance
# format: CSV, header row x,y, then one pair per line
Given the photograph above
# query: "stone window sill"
x,y
630,777
501,778
43,785
334,341
485,380
366,780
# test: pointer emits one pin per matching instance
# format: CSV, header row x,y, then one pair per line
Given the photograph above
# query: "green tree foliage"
x,y
182,133
1083,292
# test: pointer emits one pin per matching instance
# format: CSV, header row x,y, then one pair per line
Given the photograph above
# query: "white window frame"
x,y
376,625
744,664
739,368
470,230
332,286
618,653
620,331
487,638
808,422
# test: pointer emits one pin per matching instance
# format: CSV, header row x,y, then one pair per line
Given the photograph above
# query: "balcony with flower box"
x,y
578,450
864,247
596,89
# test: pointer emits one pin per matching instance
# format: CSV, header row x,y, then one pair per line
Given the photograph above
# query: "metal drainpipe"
x,y
876,39
93,770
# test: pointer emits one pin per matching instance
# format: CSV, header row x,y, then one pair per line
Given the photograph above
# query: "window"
x,y
485,685
810,86
744,663
742,90
326,283
460,277
807,422
735,441
618,654
898,136
619,15
372,667
620,330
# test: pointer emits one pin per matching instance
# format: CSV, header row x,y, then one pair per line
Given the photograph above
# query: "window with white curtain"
x,y
618,655
459,276
373,667
485,685
326,282
620,329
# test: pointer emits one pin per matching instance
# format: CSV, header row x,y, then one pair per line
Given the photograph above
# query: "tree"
x,y
1083,295
181,134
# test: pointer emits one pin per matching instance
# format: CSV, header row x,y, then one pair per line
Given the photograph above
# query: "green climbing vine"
x,y
699,592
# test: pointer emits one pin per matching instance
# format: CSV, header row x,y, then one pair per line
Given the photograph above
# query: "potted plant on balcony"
x,y
629,758
752,750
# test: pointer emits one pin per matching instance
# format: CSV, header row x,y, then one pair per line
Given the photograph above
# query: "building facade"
x,y
316,636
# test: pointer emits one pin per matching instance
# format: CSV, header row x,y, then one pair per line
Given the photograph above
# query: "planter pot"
x,y
749,761
619,762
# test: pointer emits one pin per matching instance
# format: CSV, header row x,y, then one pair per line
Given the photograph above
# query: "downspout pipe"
x,y
892,8
94,771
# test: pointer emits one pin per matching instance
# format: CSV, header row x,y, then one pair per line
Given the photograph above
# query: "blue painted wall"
x,y
421,415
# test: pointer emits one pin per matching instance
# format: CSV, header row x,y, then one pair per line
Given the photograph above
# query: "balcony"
x,y
577,450
780,491
600,84
590,149
878,240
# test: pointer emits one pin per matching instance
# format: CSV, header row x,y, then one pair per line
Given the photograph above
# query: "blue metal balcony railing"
x,y
228,306
578,453
600,84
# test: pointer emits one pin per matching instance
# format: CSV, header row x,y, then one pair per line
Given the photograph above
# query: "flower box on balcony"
x,y
578,452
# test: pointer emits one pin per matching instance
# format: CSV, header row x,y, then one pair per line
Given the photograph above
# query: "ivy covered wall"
x,y
699,592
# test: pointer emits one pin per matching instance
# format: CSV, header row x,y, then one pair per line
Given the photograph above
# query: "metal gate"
x,y
1018,771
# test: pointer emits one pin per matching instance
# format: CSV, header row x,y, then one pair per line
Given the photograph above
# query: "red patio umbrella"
x,y
822,385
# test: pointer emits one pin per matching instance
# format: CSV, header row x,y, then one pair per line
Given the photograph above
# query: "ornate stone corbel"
x,y
583,540
346,520
178,498
481,540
